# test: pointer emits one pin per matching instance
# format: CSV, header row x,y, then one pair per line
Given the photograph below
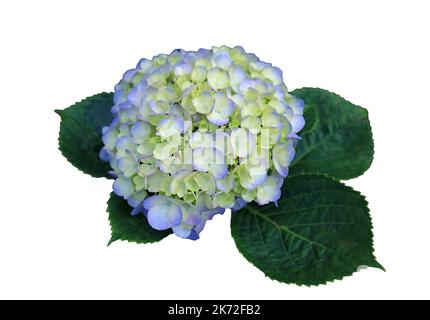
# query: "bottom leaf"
x,y
130,228
320,231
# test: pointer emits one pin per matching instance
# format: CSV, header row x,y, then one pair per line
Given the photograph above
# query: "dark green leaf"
x,y
80,133
339,143
130,228
320,231
311,115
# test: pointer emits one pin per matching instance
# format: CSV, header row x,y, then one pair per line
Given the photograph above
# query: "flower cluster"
x,y
196,132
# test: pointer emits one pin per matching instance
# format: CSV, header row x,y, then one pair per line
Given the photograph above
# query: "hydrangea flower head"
x,y
197,132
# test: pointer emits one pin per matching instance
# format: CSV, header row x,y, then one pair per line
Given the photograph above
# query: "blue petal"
x,y
136,199
119,96
139,131
193,235
239,204
156,200
124,145
138,210
136,95
157,217
294,136
174,215
198,228
279,92
125,105
128,75
104,155
190,215
144,64
182,230
209,214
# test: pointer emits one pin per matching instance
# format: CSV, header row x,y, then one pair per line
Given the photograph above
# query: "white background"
x,y
53,225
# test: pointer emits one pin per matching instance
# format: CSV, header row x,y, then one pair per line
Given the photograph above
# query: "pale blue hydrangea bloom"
x,y
199,132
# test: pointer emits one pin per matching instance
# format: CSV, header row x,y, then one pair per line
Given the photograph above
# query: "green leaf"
x,y
320,231
130,228
80,133
339,143
312,119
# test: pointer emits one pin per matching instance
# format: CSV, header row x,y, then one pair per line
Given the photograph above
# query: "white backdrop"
x,y
53,225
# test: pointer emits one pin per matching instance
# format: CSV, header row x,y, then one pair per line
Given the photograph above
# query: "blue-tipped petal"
x,y
218,78
170,126
297,104
294,136
159,106
297,123
279,92
200,162
251,177
222,109
109,137
221,59
124,145
243,142
237,75
282,155
270,190
225,184
123,187
201,140
203,103
182,69
274,74
219,171
127,165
